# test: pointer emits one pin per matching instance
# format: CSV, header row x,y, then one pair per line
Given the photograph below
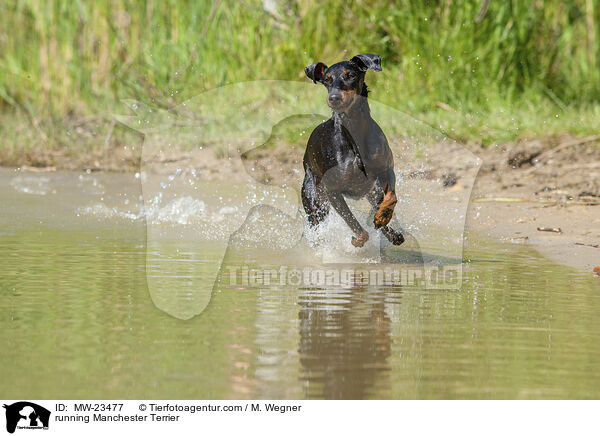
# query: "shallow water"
x,y
82,314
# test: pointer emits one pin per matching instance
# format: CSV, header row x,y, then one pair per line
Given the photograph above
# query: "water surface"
x,y
78,320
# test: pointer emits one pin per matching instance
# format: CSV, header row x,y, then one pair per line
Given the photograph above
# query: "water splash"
x,y
182,210
331,240
39,185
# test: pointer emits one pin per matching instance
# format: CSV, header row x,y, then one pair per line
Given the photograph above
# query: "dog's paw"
x,y
359,241
382,218
396,238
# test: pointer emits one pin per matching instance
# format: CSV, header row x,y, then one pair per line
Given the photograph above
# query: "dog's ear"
x,y
367,61
315,71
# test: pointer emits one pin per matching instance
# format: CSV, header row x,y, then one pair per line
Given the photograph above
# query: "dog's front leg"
x,y
339,204
386,209
376,197
387,201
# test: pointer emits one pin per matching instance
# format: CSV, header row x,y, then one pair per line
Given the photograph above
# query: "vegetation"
x,y
489,74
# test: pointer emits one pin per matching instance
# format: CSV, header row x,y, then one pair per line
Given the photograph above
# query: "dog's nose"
x,y
335,98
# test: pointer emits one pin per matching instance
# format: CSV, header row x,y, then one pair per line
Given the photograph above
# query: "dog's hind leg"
x,y
315,202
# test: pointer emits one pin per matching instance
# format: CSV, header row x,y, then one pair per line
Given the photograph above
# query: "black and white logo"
x,y
26,415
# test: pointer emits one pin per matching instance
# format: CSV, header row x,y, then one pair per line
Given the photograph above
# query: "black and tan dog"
x,y
348,155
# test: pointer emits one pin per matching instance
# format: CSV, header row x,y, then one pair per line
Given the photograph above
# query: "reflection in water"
x,y
345,340
344,327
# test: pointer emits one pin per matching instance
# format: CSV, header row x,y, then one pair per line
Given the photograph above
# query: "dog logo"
x,y
26,415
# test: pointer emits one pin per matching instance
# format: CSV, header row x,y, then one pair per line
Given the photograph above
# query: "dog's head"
x,y
345,80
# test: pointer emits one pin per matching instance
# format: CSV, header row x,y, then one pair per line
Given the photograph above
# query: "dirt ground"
x,y
544,192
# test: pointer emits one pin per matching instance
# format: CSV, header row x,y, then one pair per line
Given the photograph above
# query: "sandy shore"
x,y
544,195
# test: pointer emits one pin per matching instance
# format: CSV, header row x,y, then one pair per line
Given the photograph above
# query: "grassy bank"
x,y
517,68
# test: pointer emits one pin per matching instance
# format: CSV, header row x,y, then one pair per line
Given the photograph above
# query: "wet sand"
x,y
544,195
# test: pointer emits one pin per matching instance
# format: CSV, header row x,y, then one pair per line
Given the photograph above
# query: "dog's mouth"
x,y
341,105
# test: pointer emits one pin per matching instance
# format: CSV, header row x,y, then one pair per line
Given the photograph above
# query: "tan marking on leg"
x,y
386,209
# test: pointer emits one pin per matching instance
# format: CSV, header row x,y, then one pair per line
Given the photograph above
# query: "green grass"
x,y
529,67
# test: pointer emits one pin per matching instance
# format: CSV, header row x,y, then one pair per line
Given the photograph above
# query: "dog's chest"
x,y
349,172
361,154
